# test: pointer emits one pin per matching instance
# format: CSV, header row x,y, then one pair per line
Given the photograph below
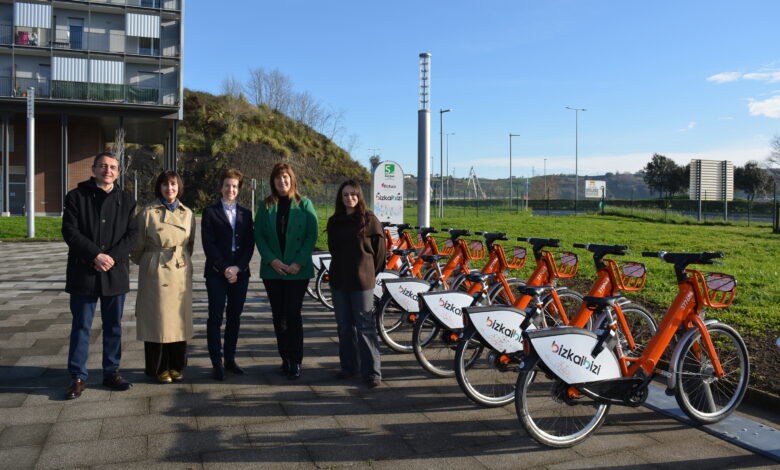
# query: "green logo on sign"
x,y
389,168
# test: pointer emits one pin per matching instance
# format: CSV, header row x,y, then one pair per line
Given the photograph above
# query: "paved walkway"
x,y
261,420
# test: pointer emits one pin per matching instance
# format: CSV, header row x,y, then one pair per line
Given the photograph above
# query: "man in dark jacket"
x,y
100,228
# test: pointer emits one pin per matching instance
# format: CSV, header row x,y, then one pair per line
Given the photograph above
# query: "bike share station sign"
x,y
388,192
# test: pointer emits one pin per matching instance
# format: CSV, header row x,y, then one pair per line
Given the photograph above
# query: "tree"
x,y
754,180
664,176
773,160
374,161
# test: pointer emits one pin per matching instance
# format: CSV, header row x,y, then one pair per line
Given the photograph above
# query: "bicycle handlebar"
x,y
455,233
682,260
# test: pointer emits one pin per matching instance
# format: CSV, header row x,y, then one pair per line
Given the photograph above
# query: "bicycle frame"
x,y
685,310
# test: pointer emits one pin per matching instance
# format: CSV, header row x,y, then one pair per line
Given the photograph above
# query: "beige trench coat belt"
x,y
169,254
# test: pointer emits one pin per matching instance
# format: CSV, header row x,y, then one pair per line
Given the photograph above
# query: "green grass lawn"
x,y
752,255
16,227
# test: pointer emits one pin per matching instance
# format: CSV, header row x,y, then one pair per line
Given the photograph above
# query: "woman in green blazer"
x,y
285,234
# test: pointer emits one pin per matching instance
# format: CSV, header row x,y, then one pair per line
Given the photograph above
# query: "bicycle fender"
x,y
566,352
670,379
405,291
381,277
446,306
499,326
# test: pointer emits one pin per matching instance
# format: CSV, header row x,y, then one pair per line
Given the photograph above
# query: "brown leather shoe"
x,y
76,387
116,382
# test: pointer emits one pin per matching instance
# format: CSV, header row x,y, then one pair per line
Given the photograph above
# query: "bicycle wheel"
x,y
479,374
392,325
701,395
323,289
642,327
311,289
497,294
570,301
549,415
434,346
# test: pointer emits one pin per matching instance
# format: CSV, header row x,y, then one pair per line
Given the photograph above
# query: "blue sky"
x,y
686,79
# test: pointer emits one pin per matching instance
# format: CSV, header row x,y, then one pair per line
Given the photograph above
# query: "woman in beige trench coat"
x,y
166,237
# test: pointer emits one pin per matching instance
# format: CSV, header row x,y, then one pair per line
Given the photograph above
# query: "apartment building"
x,y
96,66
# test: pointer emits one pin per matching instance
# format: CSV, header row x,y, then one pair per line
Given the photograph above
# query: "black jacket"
x,y
216,234
88,232
357,252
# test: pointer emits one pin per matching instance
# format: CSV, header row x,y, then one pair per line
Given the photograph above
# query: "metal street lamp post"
x,y
441,162
510,167
576,153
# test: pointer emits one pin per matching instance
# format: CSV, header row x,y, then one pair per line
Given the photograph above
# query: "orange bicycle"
x,y
484,363
397,309
571,376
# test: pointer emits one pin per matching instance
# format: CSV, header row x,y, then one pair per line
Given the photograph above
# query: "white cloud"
x,y
726,118
768,76
690,126
724,77
769,107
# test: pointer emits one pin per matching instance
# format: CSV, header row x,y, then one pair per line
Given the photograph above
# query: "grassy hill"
x,y
223,131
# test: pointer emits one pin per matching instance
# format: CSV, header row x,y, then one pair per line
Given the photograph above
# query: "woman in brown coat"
x,y
166,237
356,242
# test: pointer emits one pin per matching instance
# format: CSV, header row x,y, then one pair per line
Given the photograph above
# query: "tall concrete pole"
x,y
424,144
31,162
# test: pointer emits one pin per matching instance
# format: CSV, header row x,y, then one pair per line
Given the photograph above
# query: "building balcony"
x,y
119,43
163,4
91,92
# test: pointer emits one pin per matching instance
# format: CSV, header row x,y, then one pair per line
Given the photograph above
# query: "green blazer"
x,y
299,243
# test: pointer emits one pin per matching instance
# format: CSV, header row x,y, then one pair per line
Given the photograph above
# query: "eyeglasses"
x,y
106,167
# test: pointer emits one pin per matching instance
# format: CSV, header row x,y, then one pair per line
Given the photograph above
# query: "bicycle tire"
x,y
392,326
323,289
433,346
704,397
548,416
311,288
496,295
478,375
642,327
570,301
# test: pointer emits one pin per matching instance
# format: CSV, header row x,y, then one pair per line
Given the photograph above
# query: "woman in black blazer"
x,y
227,233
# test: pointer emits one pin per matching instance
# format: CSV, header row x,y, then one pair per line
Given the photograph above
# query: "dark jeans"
x,y
286,299
220,291
82,307
160,357
358,338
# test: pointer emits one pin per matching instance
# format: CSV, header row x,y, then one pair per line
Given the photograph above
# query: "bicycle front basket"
x,y
566,264
718,289
630,276
519,257
448,247
476,249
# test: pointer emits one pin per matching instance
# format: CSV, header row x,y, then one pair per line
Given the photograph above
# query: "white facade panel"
x,y
69,69
106,71
33,15
145,26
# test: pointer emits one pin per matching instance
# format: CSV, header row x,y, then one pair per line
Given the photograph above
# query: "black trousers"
x,y
286,299
164,356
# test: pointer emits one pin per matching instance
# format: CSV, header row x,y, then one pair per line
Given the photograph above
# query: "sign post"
x,y
388,192
30,162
